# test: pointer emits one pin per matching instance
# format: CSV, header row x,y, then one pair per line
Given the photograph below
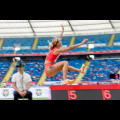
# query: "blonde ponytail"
x,y
50,46
53,44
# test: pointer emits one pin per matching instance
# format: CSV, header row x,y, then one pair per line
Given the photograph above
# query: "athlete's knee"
x,y
66,62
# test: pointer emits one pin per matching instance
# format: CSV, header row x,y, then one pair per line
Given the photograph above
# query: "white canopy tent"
x,y
50,28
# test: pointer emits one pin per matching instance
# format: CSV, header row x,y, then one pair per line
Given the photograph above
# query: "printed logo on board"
x,y
5,92
38,92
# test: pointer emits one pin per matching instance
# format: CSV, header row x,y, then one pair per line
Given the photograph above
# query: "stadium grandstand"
x,y
27,40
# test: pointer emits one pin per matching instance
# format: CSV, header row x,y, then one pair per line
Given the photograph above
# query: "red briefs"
x,y
46,66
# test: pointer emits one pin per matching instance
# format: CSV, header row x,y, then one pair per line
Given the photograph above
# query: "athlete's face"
x,y
60,43
20,69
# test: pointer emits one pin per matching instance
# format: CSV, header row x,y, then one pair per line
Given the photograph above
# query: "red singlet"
x,y
51,57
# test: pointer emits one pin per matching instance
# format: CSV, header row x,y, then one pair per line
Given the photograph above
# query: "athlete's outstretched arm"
x,y
61,35
57,51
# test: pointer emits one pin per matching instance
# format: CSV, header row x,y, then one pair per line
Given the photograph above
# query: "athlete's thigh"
x,y
56,68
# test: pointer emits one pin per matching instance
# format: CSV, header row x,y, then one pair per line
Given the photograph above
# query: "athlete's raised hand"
x,y
61,35
84,41
62,28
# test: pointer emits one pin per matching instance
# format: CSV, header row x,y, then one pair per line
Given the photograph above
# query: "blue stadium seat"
x,y
117,38
33,51
34,68
43,41
105,48
4,66
22,41
6,51
94,38
100,70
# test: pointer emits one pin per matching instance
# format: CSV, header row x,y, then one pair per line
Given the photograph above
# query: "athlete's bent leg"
x,y
70,68
58,67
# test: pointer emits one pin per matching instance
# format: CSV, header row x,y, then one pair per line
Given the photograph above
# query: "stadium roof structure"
x,y
51,28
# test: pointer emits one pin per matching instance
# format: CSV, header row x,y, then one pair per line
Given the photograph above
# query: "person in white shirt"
x,y
21,86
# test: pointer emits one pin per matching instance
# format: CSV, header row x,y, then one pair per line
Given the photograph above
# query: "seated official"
x,y
21,86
